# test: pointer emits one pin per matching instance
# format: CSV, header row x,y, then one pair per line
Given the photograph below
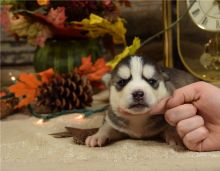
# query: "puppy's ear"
x,y
107,79
164,72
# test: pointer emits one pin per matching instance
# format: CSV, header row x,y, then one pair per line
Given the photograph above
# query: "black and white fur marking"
x,y
136,85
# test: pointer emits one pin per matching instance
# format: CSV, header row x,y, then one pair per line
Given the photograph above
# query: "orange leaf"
x,y
2,93
86,64
30,80
18,89
46,75
26,88
100,62
27,100
93,72
98,74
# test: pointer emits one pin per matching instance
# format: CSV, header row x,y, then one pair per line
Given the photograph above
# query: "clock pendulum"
x,y
210,59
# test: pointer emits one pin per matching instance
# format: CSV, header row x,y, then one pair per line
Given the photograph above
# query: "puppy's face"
x,y
136,86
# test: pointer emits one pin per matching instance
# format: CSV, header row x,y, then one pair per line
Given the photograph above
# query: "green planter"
x,y
64,55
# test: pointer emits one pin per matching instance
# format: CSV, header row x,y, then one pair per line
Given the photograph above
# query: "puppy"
x,y
136,85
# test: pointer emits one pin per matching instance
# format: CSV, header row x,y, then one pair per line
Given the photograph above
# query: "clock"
x,y
205,14
195,41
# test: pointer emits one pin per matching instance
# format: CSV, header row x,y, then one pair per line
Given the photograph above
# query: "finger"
x,y
176,114
211,143
193,140
159,108
184,95
188,125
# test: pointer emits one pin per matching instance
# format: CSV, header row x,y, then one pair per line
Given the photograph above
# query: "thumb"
x,y
160,108
186,94
180,96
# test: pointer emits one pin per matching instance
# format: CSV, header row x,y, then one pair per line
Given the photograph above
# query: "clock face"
x,y
205,14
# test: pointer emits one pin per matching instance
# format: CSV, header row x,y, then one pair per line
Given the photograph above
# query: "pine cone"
x,y
7,106
66,92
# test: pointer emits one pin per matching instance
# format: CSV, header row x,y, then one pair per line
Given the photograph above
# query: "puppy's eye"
x,y
152,82
122,82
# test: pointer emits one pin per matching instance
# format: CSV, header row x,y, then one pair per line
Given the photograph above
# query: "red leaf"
x,y
57,16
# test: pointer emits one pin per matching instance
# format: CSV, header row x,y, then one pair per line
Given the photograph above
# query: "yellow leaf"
x,y
95,19
98,27
130,50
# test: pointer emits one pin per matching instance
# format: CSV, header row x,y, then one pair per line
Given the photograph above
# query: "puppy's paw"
x,y
96,140
172,138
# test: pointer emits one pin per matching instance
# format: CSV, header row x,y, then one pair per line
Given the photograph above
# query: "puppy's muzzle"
x,y
138,95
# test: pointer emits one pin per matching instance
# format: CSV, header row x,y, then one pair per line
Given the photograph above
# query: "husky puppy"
x,y
136,85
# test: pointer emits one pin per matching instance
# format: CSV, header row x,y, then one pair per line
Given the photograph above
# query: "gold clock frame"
x,y
168,44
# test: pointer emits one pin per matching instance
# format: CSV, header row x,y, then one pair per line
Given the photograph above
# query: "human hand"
x,y
195,111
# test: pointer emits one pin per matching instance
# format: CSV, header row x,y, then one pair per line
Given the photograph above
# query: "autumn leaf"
x,y
29,79
57,16
2,94
99,27
130,50
94,72
86,64
26,88
43,2
46,75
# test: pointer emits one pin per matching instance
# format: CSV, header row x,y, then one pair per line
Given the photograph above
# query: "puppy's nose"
x,y
138,95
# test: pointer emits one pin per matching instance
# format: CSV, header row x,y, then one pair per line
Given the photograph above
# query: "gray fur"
x,y
117,120
152,126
